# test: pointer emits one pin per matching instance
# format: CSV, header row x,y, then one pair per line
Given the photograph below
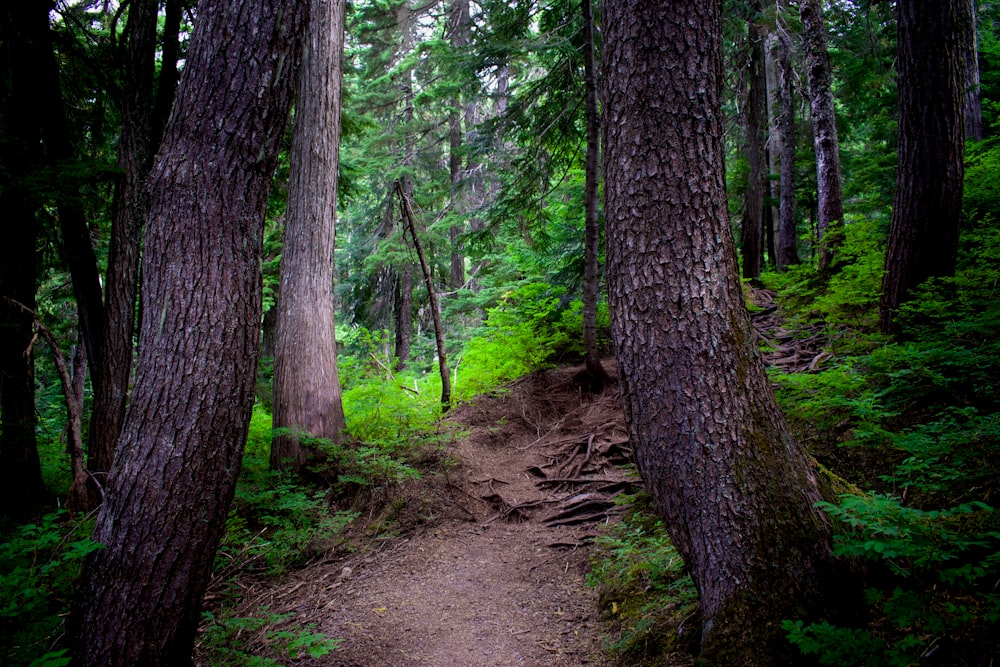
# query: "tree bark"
x,y
973,89
927,207
306,384
592,229
403,307
787,253
756,135
737,493
829,192
174,475
135,155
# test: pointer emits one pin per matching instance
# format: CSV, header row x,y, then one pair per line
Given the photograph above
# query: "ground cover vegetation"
x,y
479,113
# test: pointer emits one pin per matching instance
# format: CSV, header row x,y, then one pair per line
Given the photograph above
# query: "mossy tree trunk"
x,y
736,491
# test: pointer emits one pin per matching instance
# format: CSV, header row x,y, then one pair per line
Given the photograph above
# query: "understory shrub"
x,y
644,590
39,564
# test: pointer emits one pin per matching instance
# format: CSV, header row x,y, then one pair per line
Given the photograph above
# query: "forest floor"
x,y
483,563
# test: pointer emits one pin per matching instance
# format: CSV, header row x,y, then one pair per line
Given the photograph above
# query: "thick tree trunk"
x,y
21,488
736,491
756,136
927,207
306,385
135,155
787,253
829,192
175,471
592,229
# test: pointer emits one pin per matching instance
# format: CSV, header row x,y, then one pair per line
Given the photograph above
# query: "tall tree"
x,y
736,491
973,89
77,245
459,26
592,229
829,190
755,124
306,385
135,155
787,253
174,474
927,207
21,486
166,88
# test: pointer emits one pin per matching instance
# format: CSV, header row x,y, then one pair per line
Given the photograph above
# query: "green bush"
x,y
224,640
39,564
644,588
941,565
531,328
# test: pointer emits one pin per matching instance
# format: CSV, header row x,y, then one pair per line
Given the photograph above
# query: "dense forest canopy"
x,y
384,208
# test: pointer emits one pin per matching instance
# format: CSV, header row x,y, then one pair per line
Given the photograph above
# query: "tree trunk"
x,y
737,493
773,131
166,89
973,89
927,207
403,307
135,155
787,253
756,136
459,25
592,230
78,250
175,471
22,491
407,210
404,297
306,385
824,126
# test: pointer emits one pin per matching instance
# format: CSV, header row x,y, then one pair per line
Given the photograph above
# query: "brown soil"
x,y
482,563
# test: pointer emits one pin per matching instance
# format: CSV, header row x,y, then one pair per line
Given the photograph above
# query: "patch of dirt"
x,y
483,563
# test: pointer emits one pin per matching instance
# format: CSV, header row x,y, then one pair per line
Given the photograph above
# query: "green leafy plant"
x,y
940,564
276,520
644,588
224,640
39,564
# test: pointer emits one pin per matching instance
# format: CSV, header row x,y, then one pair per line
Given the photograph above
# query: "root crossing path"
x,y
483,564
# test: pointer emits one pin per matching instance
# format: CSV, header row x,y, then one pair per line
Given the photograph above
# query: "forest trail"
x,y
484,563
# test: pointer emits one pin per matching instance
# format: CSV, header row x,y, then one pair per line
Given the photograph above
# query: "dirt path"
x,y
486,562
